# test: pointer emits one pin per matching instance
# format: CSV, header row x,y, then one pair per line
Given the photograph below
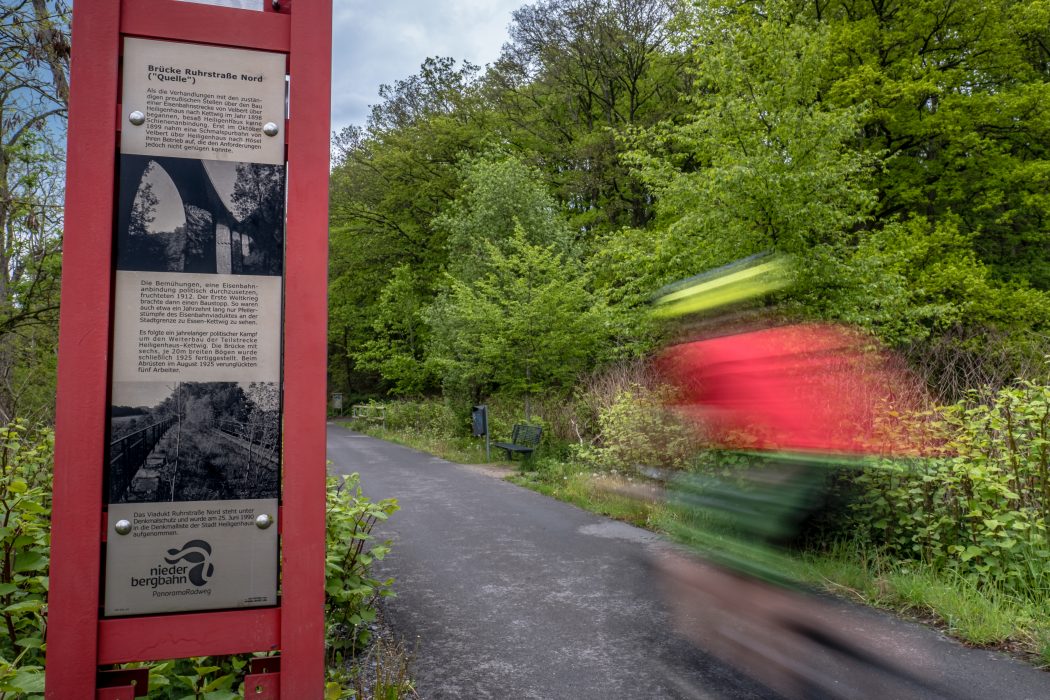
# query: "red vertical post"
x,y
80,421
305,352
78,640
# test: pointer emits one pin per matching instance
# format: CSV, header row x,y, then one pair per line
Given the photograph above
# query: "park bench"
x,y
523,440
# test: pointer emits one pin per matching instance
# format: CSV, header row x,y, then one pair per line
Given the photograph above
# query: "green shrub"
x,y
984,508
351,591
431,417
639,430
25,524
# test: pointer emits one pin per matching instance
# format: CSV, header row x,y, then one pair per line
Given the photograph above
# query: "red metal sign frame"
x,y
79,640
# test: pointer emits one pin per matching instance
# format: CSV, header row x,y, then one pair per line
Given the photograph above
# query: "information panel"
x,y
203,102
195,418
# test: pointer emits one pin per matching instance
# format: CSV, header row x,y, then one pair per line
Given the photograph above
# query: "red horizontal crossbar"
x,y
155,637
204,24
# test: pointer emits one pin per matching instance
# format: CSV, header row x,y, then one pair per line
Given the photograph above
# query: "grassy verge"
x,y
460,450
626,498
982,617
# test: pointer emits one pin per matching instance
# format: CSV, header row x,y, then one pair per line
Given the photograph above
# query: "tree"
x,y
574,76
894,148
957,94
761,162
527,326
34,53
391,180
397,347
500,194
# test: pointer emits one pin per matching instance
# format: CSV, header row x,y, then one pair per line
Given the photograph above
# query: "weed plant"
x,y
384,673
351,590
982,508
25,524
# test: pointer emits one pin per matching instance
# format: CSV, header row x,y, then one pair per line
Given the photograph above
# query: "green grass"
x,y
460,450
984,617
622,498
981,616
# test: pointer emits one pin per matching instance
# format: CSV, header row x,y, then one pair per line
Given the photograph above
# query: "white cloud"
x,y
381,42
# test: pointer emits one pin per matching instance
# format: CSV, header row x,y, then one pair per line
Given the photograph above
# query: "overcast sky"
x,y
378,42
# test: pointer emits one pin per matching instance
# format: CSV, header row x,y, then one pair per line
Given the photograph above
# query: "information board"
x,y
195,418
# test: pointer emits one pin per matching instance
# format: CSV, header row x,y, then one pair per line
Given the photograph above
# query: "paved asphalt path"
x,y
513,595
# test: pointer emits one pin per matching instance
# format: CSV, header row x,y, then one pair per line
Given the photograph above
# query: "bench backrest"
x,y
526,435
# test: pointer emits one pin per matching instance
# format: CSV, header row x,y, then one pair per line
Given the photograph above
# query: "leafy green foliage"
x,y
400,336
391,179
576,74
761,162
500,195
885,146
528,325
638,430
515,313
896,151
956,92
983,509
25,523
351,590
428,417
34,92
198,678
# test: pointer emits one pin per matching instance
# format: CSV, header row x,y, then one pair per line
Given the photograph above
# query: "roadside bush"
x,y
637,429
599,391
982,510
351,590
25,525
431,417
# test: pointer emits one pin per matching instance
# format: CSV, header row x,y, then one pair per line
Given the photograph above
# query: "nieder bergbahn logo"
x,y
190,565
